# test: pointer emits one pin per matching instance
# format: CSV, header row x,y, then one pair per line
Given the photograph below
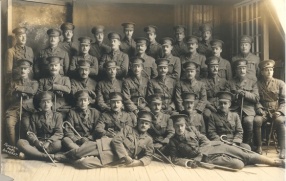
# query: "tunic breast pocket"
x,y
157,91
133,91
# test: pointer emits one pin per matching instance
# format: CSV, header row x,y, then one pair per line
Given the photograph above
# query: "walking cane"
x,y
241,108
20,116
55,99
232,144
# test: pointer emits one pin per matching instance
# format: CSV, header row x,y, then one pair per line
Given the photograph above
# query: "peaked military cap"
x,y
240,63
167,41
24,63
85,40
216,43
162,62
128,25
97,29
266,64
67,26
114,35
141,41
19,30
115,96
213,60
81,94
54,32
145,116
205,27
246,39
224,95
179,29
150,29
179,117
54,59
192,39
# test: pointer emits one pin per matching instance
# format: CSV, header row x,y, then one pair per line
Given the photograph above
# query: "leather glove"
x,y
81,140
277,114
135,163
260,112
192,164
241,93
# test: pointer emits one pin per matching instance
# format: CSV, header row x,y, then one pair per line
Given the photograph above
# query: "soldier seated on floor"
x,y
225,122
130,147
194,119
45,131
189,147
111,122
83,119
161,126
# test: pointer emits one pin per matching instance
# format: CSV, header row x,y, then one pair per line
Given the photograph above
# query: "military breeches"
x,y
33,153
12,124
69,144
247,124
279,126
88,148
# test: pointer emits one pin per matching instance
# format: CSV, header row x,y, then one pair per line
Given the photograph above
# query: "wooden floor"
x,y
27,170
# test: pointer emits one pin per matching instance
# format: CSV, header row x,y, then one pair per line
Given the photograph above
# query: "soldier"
x,y
163,84
192,85
150,67
213,83
83,82
180,47
67,44
194,56
175,62
58,84
20,93
154,49
225,122
128,44
205,47
272,99
252,60
191,144
109,84
45,131
224,65
134,88
121,59
83,119
98,48
113,121
161,126
84,55
18,52
41,65
125,147
194,119
246,97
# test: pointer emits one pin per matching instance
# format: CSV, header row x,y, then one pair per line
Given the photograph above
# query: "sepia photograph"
x,y
142,90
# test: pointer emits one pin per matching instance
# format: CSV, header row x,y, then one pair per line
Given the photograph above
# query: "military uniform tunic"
x,y
13,55
128,47
252,65
93,65
84,123
161,128
154,50
195,119
103,89
225,124
60,85
251,97
115,122
98,50
121,59
196,87
69,47
205,48
41,66
174,68
132,89
224,69
165,87
179,49
150,67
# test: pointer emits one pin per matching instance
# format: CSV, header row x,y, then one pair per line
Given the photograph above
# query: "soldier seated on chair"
x,y
83,119
161,126
191,144
194,119
24,88
131,147
55,82
111,122
272,105
134,87
225,122
45,130
246,98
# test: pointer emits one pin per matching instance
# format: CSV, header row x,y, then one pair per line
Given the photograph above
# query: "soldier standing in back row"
x,y
67,44
150,67
225,70
154,48
204,45
175,62
180,47
18,52
84,55
41,65
98,48
128,44
120,58
134,88
272,99
252,60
